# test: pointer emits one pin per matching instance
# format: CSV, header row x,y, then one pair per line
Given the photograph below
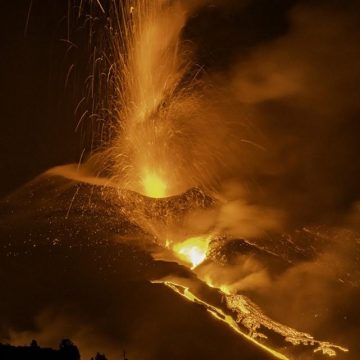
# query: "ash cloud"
x,y
292,102
284,113
298,96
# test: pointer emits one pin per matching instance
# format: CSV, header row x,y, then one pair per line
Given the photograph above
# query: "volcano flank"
x,y
87,271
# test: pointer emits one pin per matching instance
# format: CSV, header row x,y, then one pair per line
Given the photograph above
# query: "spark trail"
x,y
162,138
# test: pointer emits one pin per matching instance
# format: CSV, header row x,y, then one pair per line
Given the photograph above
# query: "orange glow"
x,y
153,185
221,316
249,319
193,250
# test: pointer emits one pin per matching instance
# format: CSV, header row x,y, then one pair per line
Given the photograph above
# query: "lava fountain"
x,y
150,64
162,126
153,185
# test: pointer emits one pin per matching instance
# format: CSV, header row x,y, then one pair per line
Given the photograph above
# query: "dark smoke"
x,y
293,102
299,94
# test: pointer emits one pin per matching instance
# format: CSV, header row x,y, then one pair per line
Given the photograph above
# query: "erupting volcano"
x,y
150,245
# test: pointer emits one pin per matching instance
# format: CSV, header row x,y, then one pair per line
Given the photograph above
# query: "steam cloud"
x,y
299,92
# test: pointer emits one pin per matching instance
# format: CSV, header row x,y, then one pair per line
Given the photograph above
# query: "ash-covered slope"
x,y
74,264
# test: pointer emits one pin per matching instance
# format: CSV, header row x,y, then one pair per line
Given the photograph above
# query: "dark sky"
x,y
37,125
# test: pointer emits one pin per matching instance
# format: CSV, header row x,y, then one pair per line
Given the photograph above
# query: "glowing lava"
x,y
219,315
250,319
154,186
193,250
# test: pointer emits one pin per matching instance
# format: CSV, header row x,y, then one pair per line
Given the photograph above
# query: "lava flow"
x,y
220,315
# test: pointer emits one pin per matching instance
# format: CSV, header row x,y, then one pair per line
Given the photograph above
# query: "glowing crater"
x,y
153,184
193,250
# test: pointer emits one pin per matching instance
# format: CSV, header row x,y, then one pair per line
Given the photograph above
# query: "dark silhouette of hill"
x,y
67,351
